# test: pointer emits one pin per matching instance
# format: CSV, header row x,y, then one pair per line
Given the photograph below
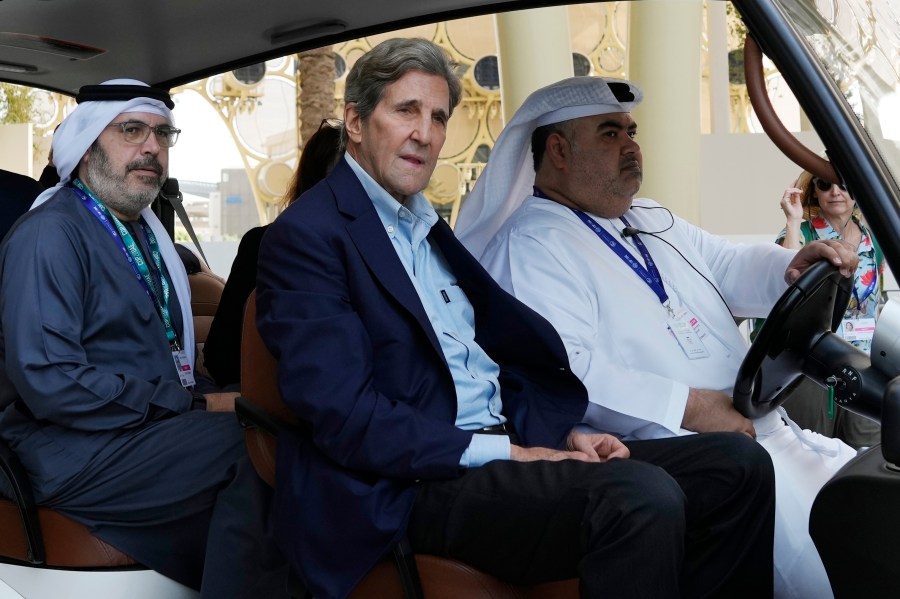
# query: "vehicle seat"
x,y
206,291
42,536
854,522
263,413
46,555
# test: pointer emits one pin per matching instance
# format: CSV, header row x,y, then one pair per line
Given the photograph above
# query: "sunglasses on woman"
x,y
823,185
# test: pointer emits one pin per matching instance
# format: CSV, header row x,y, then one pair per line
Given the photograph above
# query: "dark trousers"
x,y
808,407
182,498
683,517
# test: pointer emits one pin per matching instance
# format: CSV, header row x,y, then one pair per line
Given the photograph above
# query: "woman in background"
x,y
222,350
817,209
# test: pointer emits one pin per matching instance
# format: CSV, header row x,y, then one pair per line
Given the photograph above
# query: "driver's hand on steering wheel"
x,y
837,251
709,411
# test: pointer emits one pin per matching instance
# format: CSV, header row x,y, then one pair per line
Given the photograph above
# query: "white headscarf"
x,y
71,141
508,177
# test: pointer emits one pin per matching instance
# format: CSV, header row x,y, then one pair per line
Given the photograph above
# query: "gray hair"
x,y
389,61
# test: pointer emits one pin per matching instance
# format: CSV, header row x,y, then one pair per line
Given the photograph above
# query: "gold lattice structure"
x,y
47,112
269,163
599,39
599,33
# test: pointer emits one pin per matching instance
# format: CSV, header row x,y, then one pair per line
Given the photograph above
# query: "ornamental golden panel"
x,y
598,31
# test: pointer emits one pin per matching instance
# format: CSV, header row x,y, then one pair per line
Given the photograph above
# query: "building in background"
x,y
259,105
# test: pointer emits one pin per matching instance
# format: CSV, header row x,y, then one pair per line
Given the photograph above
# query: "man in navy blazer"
x,y
438,407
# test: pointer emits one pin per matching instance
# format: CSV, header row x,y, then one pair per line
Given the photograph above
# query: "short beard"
x,y
112,190
612,198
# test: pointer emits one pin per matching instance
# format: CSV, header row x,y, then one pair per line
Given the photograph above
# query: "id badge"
x,y
857,329
185,374
685,315
684,329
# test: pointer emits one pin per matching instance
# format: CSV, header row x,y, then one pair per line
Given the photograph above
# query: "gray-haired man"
x,y
441,408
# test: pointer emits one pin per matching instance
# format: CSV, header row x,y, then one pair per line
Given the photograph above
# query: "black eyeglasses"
x,y
136,132
823,185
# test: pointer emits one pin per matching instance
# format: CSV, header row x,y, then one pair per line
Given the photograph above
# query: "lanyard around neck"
x,y
649,274
868,291
133,255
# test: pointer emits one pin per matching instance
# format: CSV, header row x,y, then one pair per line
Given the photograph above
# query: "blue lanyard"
x,y
871,287
650,275
867,292
133,255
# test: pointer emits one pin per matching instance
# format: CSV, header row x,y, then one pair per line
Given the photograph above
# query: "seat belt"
x,y
172,194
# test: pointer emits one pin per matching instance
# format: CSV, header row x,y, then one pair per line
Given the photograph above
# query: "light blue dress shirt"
x,y
451,314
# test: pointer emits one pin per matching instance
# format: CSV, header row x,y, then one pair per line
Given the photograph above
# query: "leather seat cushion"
x,y
67,543
450,579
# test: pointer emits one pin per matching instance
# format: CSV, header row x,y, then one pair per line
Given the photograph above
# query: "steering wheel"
x,y
810,308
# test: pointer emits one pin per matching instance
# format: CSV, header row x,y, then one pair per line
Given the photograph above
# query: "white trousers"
x,y
804,462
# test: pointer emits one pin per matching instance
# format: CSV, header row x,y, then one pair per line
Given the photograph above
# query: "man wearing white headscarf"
x,y
99,402
554,220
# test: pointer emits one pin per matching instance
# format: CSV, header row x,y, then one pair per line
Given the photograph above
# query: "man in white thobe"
x,y
644,301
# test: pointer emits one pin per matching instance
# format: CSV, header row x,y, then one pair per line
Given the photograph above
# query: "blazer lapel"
x,y
469,274
371,240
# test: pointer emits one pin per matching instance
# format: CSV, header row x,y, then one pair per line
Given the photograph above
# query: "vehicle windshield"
x,y
858,42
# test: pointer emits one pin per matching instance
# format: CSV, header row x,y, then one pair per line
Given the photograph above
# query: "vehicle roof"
x,y
60,45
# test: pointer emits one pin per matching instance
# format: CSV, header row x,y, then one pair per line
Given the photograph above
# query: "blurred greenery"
x,y
737,31
16,103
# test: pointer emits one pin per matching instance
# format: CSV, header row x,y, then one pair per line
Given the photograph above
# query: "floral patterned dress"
x,y
867,281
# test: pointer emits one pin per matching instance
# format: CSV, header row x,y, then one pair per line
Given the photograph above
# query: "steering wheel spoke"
x,y
777,361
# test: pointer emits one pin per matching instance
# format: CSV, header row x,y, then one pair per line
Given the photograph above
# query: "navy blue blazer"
x,y
359,363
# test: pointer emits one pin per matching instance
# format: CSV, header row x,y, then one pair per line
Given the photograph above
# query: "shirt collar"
x,y
387,207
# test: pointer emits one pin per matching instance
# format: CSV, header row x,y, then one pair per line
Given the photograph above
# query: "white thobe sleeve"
x,y
750,276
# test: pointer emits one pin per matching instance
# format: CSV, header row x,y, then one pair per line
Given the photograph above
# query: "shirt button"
x,y
390,228
403,213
